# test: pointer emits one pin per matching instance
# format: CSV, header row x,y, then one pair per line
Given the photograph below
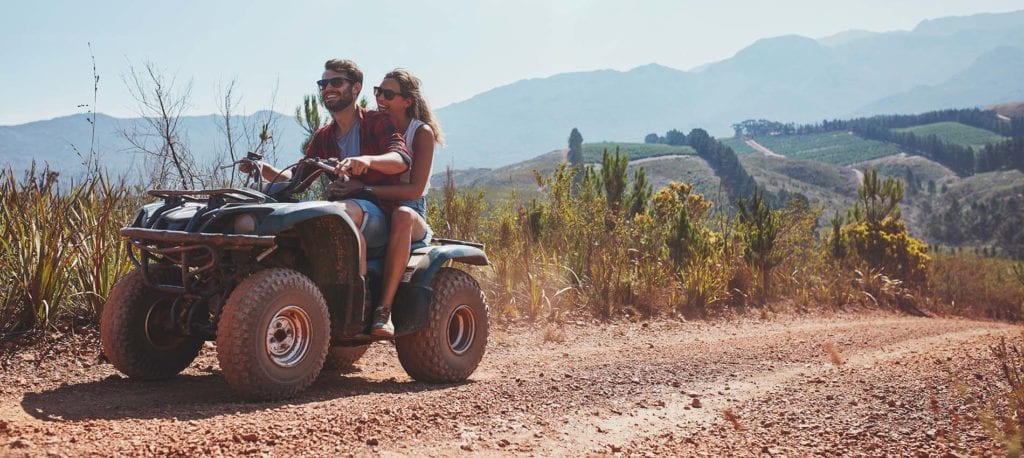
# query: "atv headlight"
x,y
244,224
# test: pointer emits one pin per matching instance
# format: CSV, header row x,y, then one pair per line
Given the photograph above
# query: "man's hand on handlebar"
x,y
245,165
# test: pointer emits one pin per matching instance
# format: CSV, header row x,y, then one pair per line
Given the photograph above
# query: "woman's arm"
x,y
422,158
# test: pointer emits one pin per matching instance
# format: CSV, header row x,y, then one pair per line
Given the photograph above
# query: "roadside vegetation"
x,y
592,237
597,241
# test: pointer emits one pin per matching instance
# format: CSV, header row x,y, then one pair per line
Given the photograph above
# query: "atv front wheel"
x,y
139,331
273,334
452,344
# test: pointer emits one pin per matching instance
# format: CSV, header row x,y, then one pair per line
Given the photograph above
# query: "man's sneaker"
x,y
382,326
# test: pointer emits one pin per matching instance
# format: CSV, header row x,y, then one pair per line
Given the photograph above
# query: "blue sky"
x,y
459,48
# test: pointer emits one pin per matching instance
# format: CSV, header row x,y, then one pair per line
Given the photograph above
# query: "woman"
x,y
399,96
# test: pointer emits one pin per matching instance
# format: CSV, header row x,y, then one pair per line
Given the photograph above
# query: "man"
x,y
368,146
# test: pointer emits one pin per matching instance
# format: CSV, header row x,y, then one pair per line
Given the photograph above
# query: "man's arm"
x,y
388,163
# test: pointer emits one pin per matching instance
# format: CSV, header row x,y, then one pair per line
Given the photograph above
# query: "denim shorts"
x,y
420,207
375,224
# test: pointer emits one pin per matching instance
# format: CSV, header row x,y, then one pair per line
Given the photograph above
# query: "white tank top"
x,y
410,134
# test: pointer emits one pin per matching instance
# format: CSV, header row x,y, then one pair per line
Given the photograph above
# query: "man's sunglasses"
x,y
337,81
387,93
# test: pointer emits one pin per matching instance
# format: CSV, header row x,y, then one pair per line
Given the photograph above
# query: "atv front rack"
x,y
216,197
193,253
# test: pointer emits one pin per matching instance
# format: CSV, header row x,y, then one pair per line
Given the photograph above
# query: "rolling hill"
x,y
59,141
949,62
824,167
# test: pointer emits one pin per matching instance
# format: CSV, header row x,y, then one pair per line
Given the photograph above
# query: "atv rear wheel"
x,y
452,344
342,357
273,334
139,332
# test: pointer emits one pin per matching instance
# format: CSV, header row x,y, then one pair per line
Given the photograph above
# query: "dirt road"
x,y
877,385
763,149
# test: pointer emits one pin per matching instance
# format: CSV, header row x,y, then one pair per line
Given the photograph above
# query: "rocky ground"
x,y
847,385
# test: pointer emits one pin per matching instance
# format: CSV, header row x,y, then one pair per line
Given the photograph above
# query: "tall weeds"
x,y
59,253
572,250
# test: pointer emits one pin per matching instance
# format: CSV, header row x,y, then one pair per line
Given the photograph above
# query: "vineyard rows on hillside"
x,y
592,151
956,133
840,148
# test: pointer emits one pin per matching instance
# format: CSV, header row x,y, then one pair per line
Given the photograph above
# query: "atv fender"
x,y
330,241
287,216
412,301
433,258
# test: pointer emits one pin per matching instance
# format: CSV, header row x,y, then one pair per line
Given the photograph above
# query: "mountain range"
x,y
941,63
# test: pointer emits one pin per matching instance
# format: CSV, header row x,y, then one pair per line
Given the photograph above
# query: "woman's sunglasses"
x,y
337,81
387,93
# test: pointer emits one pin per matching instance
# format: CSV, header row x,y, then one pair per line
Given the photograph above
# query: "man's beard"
x,y
345,99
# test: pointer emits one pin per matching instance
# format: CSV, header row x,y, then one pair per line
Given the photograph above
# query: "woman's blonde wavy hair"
x,y
410,86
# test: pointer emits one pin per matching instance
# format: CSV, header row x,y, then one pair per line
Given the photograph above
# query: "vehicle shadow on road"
x,y
193,397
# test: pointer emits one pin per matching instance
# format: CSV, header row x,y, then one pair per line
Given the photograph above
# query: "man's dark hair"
x,y
349,68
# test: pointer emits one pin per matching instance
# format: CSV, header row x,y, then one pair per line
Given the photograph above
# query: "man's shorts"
x,y
375,224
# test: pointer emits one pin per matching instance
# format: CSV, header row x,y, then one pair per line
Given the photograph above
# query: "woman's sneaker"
x,y
382,326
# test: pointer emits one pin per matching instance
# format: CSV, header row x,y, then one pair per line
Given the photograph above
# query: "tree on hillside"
x,y
639,195
878,236
762,227
652,138
161,103
877,200
307,116
675,138
837,241
575,156
613,178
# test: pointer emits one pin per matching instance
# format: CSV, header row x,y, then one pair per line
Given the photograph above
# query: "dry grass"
x,y
971,285
561,255
554,333
733,419
833,353
1006,422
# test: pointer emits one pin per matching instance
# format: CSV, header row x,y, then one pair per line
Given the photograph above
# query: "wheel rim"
x,y
461,329
160,328
288,336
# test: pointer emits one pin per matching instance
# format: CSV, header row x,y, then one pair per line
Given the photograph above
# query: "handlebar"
x,y
303,174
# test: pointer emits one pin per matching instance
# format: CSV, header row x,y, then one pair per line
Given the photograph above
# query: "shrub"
x,y
973,285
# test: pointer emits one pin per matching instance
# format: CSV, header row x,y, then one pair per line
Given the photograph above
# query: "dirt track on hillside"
x,y
763,149
878,385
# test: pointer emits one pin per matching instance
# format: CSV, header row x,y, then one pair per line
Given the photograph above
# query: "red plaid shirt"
x,y
377,136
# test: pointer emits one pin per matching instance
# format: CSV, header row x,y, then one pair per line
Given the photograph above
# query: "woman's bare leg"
x,y
406,226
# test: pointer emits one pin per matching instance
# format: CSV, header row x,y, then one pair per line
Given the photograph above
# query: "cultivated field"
x,y
956,133
738,145
840,148
592,152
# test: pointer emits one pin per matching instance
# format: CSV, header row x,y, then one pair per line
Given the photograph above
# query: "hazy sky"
x,y
459,48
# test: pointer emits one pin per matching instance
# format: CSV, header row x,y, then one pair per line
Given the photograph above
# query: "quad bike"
x,y
277,284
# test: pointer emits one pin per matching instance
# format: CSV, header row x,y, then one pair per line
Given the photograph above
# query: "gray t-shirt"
x,y
349,143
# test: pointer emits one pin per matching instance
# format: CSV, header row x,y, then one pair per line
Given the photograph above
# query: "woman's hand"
x,y
340,188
